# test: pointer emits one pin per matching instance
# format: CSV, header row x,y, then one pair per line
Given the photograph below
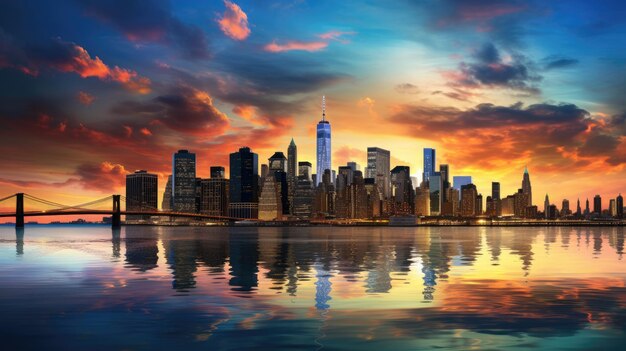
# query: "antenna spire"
x,y
323,107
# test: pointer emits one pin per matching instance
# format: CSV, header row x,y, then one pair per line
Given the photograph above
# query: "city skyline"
x,y
103,97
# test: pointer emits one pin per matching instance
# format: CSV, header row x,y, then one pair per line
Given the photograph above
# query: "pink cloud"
x,y
234,22
336,35
309,46
85,98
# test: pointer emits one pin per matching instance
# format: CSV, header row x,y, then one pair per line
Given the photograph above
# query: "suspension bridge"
x,y
95,207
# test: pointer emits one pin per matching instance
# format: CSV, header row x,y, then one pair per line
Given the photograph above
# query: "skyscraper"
x,y
323,144
619,202
244,183
184,181
597,205
546,207
444,169
141,192
435,186
469,196
402,190
214,193
526,188
579,211
429,164
305,170
292,172
378,167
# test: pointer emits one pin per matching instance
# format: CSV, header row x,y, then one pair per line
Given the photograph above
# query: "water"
x,y
367,288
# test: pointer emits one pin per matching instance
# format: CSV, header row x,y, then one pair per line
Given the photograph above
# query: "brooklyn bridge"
x,y
117,207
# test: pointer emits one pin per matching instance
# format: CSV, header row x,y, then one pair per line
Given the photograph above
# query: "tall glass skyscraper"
x,y
429,163
184,181
323,144
244,176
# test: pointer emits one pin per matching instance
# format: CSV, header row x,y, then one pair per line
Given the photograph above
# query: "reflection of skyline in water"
x,y
498,281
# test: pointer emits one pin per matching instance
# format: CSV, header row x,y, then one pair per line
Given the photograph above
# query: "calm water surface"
x,y
154,288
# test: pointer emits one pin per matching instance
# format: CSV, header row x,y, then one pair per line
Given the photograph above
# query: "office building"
x,y
435,187
141,193
292,172
378,168
323,145
217,172
429,164
184,181
597,205
526,188
166,205
244,183
402,195
469,196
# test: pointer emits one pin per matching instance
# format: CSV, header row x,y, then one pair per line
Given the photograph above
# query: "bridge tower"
x,y
19,210
116,218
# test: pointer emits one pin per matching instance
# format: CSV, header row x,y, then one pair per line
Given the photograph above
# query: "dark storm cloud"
x,y
490,70
556,61
150,21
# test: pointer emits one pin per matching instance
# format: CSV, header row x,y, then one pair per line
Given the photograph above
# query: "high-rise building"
x,y
429,164
435,187
587,210
619,203
292,172
304,194
378,167
323,144
546,207
244,183
184,181
402,191
422,200
469,196
495,190
278,175
218,172
344,178
166,205
214,194
141,192
565,211
526,188
612,208
495,199
444,170
597,205
579,211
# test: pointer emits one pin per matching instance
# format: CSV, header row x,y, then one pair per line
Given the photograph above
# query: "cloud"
x,y
184,109
557,61
407,88
68,57
234,22
310,46
501,20
490,70
336,35
150,22
85,98
490,136
102,177
346,154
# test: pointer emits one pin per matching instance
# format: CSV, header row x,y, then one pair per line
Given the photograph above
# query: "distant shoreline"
x,y
310,225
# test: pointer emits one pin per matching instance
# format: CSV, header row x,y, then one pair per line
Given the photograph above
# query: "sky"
x,y
92,90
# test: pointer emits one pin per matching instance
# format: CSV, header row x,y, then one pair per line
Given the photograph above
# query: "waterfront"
x,y
334,288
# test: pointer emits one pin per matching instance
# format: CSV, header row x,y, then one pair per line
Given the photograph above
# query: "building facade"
x,y
323,145
184,181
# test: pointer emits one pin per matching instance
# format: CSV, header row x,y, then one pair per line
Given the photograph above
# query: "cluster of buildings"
x,y
287,189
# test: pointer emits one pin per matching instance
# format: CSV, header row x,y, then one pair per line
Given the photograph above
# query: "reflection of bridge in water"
x,y
91,208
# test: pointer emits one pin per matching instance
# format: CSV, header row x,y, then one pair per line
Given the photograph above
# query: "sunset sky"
x,y
91,90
